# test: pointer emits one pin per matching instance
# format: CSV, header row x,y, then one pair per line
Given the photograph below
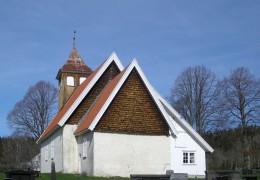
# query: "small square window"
x,y
82,79
188,158
192,158
70,81
185,157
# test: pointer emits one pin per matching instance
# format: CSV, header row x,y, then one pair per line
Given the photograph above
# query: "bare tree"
x,y
18,151
239,104
193,96
32,114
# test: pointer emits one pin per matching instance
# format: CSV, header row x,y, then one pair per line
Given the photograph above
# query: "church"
x,y
112,122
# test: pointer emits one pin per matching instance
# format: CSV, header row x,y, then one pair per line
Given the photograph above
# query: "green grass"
x,y
2,175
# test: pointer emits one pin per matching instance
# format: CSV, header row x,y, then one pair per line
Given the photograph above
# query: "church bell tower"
x,y
71,75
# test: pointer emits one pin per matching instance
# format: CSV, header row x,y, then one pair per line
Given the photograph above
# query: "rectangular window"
x,y
82,79
192,158
185,157
46,153
70,81
188,158
52,149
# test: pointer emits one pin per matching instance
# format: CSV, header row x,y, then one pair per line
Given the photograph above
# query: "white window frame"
x,y
192,157
46,153
185,158
188,157
70,81
82,79
52,149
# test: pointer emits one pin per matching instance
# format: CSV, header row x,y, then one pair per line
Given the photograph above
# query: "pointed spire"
x,y
75,63
74,39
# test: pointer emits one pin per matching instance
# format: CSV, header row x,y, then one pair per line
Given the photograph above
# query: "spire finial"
x,y
74,39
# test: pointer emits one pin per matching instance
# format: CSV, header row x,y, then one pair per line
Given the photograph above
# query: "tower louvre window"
x,y
82,79
70,81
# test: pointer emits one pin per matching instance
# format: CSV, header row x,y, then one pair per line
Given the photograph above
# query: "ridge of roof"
x,y
100,70
67,106
184,124
109,93
78,95
98,104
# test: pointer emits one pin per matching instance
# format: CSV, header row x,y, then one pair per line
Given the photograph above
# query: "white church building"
x,y
112,122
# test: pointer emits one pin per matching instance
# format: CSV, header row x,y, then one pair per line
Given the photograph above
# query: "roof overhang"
x,y
184,124
40,140
73,72
134,64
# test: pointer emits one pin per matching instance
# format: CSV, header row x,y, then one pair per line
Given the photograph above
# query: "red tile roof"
x,y
68,104
99,104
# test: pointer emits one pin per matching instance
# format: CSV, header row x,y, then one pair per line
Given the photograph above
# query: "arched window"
x,y
82,79
70,81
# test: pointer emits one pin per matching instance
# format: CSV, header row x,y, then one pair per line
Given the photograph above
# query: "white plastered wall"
x,y
86,163
185,143
56,137
70,150
124,154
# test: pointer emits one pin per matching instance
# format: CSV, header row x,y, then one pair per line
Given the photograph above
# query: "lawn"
x,y
62,176
2,175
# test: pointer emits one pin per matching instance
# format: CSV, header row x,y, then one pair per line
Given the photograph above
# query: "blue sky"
x,y
165,36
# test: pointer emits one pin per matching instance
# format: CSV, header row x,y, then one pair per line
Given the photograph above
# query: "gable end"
x,y
133,111
111,72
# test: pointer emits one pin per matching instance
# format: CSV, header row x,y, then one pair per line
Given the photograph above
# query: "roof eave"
x,y
112,57
67,71
81,132
134,64
41,139
187,127
58,74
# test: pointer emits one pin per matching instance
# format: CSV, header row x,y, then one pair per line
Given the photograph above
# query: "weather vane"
x,y
74,39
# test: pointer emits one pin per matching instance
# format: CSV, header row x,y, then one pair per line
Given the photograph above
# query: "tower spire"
x,y
74,39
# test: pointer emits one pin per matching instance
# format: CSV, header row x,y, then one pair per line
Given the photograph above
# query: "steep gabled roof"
x,y
175,116
78,95
74,64
98,109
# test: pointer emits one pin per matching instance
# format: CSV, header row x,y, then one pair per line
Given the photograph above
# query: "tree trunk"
x,y
247,163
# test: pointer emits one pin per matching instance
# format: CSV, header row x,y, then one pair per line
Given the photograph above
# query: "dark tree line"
x,y
28,119
228,152
209,104
17,152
